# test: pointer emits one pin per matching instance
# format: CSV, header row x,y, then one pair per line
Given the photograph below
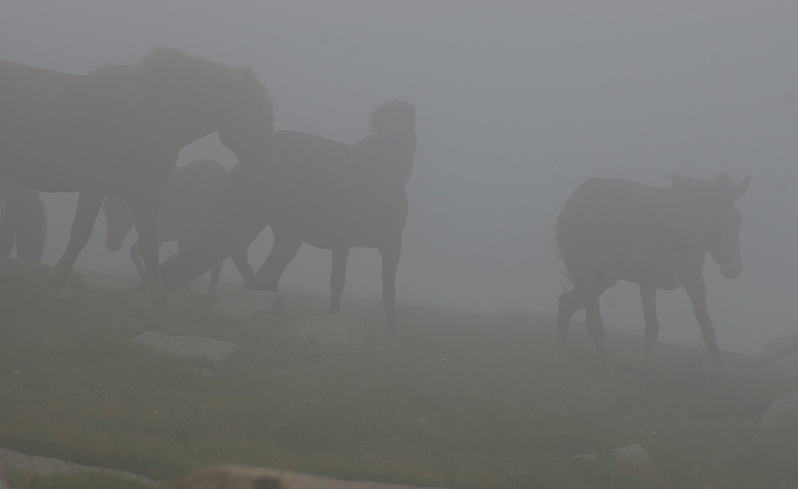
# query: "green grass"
x,y
458,400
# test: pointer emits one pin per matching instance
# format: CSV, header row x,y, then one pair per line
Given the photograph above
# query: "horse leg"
x,y
89,203
568,303
213,285
338,277
283,251
390,262
181,246
595,327
648,294
239,256
135,256
145,215
697,292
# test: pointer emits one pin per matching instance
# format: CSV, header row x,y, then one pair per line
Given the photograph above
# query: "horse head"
x,y
719,218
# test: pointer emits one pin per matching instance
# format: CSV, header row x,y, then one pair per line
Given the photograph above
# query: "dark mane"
x,y
181,75
391,116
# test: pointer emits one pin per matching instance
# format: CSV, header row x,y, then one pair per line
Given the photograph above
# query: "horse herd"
x,y
113,136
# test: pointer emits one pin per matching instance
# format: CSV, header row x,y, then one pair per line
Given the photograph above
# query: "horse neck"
x,y
393,155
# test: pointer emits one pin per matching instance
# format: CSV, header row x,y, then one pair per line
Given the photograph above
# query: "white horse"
x,y
616,229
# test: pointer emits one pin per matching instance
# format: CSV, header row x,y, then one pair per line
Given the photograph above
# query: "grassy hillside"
x,y
457,400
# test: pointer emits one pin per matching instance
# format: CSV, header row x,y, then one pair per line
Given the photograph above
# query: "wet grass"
x,y
457,400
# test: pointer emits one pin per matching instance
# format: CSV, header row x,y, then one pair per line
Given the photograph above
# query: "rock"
x,y
187,346
249,303
243,477
347,330
48,467
589,457
779,347
634,456
779,408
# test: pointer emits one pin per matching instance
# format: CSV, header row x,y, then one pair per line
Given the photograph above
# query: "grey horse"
x,y
616,229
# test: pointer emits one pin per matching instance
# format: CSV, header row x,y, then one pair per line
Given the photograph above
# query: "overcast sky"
x,y
517,103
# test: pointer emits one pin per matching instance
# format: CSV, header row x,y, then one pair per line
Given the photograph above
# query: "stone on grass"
x,y
250,303
243,477
634,456
187,346
779,347
48,467
780,408
346,330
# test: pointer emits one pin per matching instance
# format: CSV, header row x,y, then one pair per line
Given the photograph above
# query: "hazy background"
x,y
517,103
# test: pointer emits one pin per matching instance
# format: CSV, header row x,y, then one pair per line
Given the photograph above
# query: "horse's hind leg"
x,y
338,277
283,251
390,262
569,302
89,204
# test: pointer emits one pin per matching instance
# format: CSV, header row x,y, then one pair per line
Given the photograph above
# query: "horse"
x,y
22,221
118,130
186,204
617,229
325,193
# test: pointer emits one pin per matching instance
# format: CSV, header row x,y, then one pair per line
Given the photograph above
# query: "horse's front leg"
x,y
648,295
145,215
89,203
697,292
390,262
338,277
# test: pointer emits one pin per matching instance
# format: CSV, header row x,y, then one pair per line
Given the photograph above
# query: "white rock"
x,y
780,407
249,303
590,457
346,330
187,346
243,477
779,347
634,456
47,467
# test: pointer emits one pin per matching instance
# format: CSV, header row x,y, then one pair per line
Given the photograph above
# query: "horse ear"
x,y
739,189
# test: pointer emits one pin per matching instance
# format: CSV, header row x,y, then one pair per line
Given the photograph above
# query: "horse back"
x,y
626,230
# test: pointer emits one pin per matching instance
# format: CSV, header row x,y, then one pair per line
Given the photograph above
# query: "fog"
x,y
516,104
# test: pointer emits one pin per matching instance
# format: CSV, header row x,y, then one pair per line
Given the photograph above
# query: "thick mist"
x,y
516,104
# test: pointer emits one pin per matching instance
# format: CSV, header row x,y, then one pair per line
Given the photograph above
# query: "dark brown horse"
x,y
22,221
186,204
328,194
118,130
658,238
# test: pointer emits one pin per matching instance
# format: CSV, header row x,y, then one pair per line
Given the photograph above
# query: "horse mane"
x,y
179,75
391,144
392,115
